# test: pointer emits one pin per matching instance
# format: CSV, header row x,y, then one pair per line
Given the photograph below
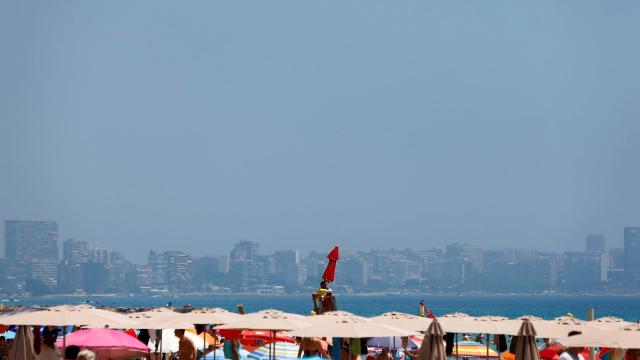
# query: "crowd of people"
x,y
44,348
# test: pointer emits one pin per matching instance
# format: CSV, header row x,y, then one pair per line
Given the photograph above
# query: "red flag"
x,y
330,272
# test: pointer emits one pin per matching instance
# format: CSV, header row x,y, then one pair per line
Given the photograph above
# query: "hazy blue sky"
x,y
173,125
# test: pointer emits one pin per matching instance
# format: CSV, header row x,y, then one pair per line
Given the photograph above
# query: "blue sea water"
x,y
546,306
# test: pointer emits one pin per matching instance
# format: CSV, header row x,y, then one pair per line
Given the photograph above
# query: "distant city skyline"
x,y
34,267
227,245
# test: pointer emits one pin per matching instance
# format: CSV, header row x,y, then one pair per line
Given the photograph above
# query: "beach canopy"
x,y
69,315
433,343
273,320
403,321
347,327
107,343
208,316
526,348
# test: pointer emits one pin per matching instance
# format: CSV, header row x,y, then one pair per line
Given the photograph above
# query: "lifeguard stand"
x,y
323,304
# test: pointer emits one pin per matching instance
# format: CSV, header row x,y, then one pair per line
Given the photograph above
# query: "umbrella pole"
x,y
273,338
215,338
456,345
204,340
64,340
270,345
488,345
395,351
591,317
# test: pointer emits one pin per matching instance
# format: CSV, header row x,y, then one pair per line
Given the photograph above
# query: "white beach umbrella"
x,y
348,327
463,323
561,327
273,320
625,338
69,315
403,321
610,323
159,318
208,316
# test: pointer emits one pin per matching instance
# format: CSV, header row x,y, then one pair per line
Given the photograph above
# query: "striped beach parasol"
x,y
283,351
472,349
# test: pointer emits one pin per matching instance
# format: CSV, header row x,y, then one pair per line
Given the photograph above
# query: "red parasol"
x,y
330,272
252,339
551,353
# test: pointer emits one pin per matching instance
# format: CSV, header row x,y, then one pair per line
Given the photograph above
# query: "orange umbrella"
x,y
203,336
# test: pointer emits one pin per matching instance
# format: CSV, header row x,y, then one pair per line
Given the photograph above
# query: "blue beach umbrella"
x,y
242,354
283,351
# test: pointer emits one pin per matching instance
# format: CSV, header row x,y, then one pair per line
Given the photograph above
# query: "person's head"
x,y
421,302
385,350
86,355
49,336
199,329
512,346
323,284
71,352
179,333
3,340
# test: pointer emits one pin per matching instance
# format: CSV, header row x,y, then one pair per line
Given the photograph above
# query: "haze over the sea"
x,y
165,125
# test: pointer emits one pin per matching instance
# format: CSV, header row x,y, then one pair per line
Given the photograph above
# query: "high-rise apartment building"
x,y
178,270
158,270
632,253
594,243
170,270
287,266
28,240
244,250
31,250
75,252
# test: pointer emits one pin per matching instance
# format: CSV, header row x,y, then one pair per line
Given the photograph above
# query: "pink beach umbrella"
x,y
107,343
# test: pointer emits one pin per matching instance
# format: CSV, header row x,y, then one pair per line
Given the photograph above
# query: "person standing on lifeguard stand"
x,y
323,299
424,312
